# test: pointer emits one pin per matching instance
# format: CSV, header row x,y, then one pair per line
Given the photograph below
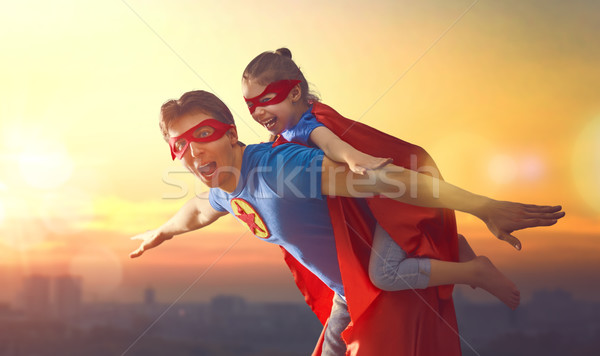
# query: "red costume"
x,y
411,322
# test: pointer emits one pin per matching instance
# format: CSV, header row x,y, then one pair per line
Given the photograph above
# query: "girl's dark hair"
x,y
270,67
192,102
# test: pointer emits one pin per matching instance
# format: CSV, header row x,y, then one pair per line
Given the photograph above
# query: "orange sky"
x,y
506,102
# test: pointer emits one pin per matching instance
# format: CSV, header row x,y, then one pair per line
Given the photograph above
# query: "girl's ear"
x,y
296,93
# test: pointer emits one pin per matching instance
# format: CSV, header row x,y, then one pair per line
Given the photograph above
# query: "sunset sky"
x,y
506,99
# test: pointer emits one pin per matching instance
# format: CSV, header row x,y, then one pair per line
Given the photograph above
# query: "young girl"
x,y
278,97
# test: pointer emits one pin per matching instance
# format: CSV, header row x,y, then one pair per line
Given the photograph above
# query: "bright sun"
x,y
45,164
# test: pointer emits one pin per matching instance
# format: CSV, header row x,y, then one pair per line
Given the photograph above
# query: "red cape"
x,y
413,322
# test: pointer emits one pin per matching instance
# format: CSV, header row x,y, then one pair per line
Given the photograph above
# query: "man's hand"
x,y
150,239
503,217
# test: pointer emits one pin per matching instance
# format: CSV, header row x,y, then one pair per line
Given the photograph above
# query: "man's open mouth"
x,y
208,169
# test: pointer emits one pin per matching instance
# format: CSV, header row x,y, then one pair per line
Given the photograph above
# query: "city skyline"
x,y
229,324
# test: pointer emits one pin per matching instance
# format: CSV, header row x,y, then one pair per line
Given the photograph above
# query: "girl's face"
x,y
280,115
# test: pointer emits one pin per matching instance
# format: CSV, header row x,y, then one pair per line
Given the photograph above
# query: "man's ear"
x,y
233,136
296,93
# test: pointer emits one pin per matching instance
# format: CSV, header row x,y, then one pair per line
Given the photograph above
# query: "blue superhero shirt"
x,y
279,199
300,133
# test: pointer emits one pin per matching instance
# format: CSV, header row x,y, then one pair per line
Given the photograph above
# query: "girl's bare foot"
x,y
492,280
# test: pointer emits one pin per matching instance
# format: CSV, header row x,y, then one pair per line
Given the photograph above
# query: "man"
x,y
278,193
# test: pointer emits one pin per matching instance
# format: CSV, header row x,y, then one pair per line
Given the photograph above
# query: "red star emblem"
x,y
248,219
246,213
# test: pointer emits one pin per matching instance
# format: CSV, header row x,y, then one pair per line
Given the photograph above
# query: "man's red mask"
x,y
280,88
206,131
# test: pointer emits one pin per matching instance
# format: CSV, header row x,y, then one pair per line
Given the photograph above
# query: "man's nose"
x,y
196,149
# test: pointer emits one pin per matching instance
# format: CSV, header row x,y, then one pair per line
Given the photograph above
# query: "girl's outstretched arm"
x,y
340,151
195,214
411,187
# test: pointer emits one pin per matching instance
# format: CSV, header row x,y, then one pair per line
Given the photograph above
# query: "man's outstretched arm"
x,y
195,214
410,187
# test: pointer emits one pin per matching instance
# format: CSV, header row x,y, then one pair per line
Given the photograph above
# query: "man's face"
x,y
211,161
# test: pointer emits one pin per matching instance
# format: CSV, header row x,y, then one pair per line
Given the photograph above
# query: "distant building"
x,y
149,296
227,305
225,310
67,296
36,296
554,297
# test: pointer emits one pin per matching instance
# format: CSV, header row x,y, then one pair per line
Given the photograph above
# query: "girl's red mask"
x,y
206,131
280,88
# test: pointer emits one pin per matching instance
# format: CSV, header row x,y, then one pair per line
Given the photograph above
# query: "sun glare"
x,y
532,168
45,164
586,164
502,169
2,212
66,210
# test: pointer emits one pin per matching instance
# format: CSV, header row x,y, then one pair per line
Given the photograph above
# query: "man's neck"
x,y
238,155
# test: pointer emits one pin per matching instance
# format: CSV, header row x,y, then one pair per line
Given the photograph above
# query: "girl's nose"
x,y
259,112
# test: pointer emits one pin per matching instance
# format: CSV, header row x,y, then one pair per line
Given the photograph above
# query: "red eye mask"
x,y
280,88
206,131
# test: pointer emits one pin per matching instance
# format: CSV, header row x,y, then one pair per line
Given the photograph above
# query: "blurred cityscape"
x,y
50,318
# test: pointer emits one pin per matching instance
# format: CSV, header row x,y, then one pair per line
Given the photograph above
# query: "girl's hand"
x,y
150,239
503,217
360,162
